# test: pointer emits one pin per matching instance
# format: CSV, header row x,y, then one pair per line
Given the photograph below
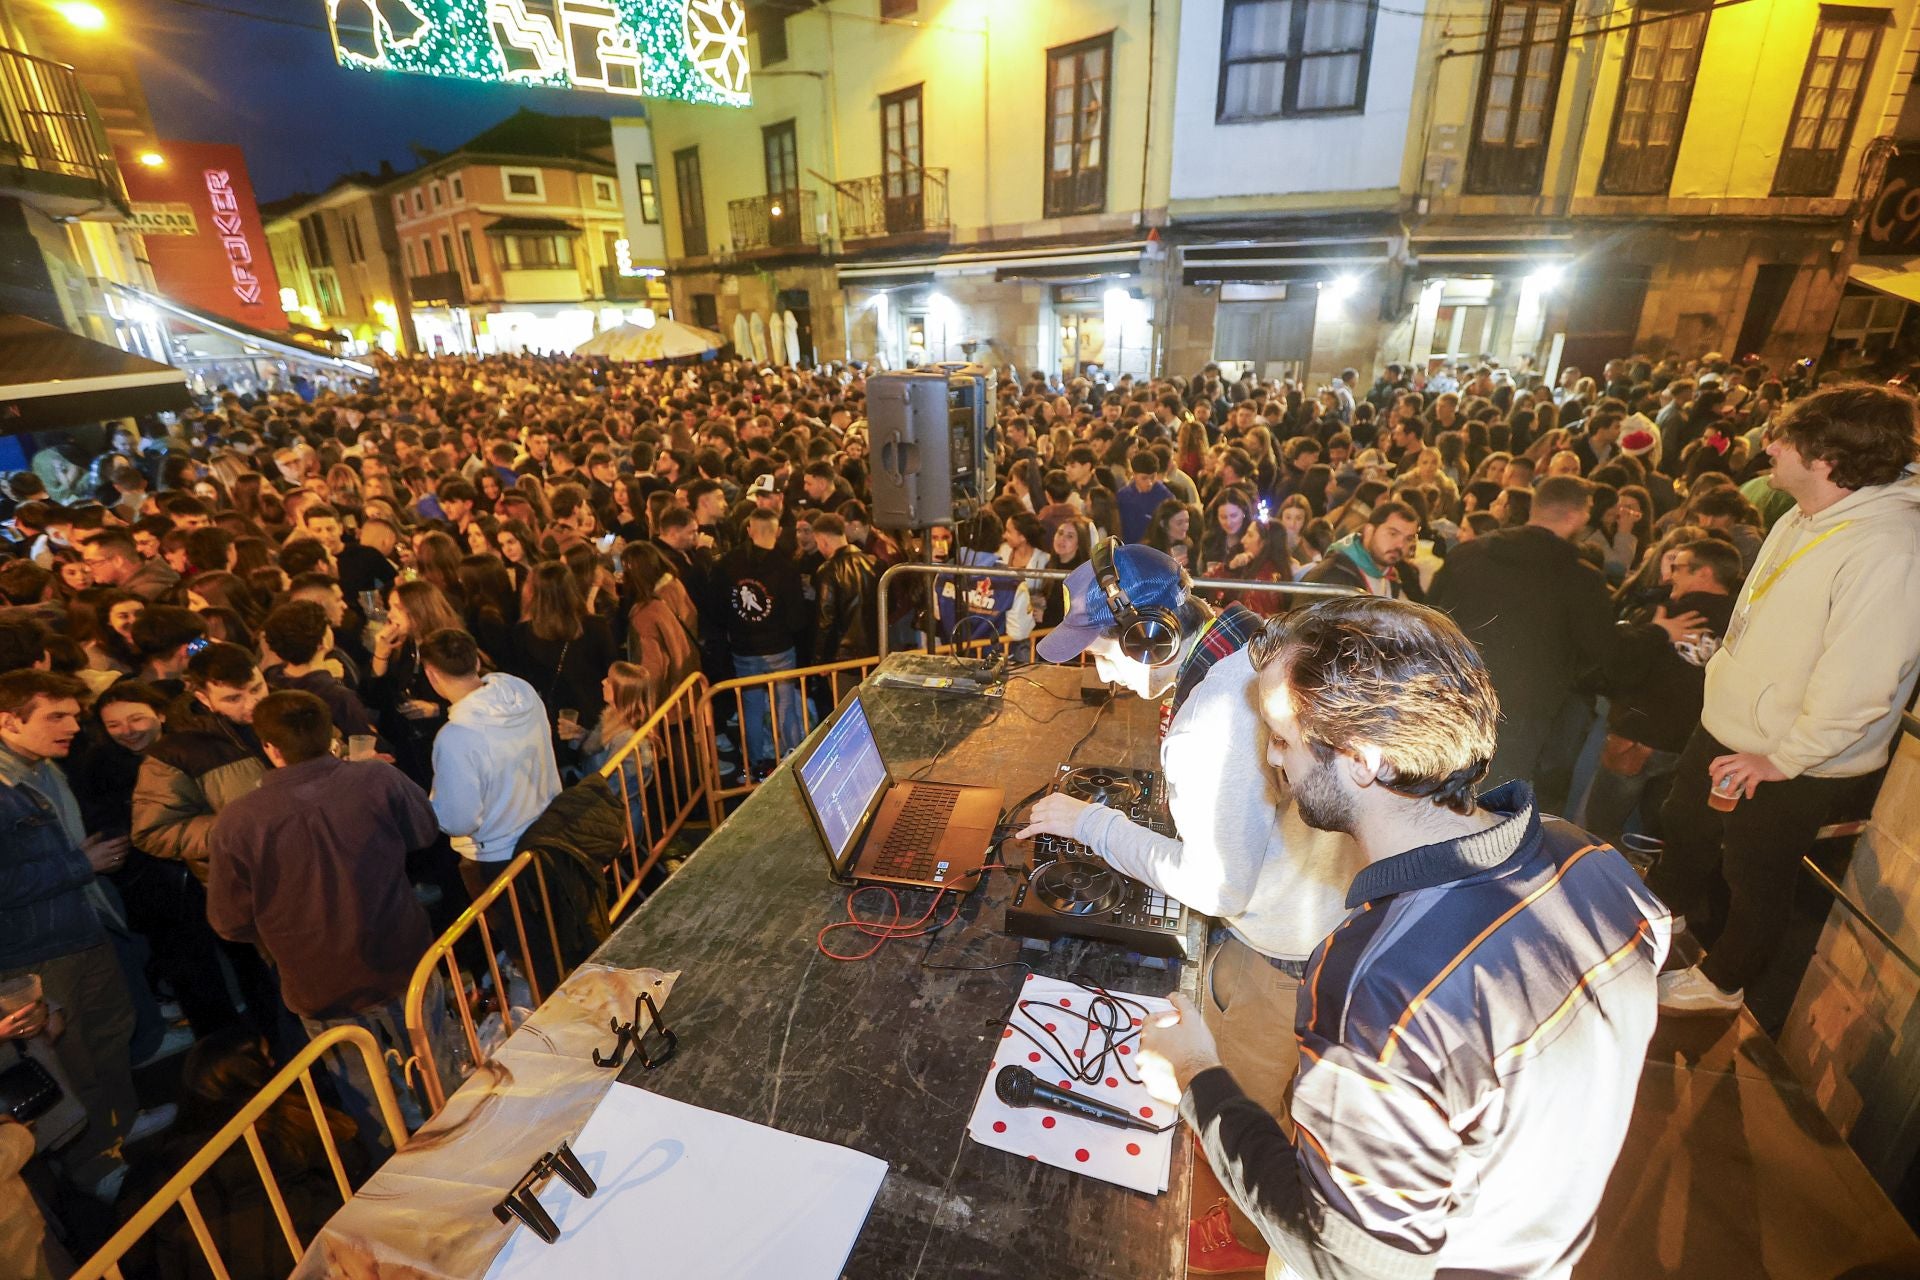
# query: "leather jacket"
x,y
846,590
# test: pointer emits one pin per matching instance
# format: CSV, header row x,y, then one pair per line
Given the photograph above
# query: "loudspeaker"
x,y
933,438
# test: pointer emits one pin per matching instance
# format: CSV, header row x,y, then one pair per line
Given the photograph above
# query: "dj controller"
x,y
1073,893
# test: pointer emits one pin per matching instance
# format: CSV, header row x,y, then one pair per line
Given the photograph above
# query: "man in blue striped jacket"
x,y
1472,1034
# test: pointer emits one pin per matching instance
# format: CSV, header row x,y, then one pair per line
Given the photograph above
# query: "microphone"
x,y
1018,1087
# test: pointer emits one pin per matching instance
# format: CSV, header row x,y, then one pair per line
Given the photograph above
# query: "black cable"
x,y
1074,750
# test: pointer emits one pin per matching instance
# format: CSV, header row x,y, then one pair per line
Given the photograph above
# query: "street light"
x,y
152,159
85,16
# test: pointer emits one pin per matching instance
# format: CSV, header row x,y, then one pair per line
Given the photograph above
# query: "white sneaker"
x,y
152,1121
178,1039
1689,991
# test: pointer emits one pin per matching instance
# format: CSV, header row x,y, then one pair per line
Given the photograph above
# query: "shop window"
x,y
1831,88
1293,58
1078,88
1656,86
1513,119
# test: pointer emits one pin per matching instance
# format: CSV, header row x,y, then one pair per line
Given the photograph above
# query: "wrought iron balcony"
x,y
48,124
909,202
785,222
437,289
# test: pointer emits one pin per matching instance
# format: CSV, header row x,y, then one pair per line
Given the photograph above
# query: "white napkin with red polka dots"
x,y
1045,1037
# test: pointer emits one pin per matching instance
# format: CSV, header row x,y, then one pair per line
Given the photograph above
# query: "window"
x,y
351,225
426,253
603,191
419,201
446,253
313,238
439,195
538,253
407,245
899,8
1835,80
901,136
780,151
1293,58
400,206
770,27
649,193
693,202
1527,47
459,188
524,184
1076,173
706,311
473,263
1663,55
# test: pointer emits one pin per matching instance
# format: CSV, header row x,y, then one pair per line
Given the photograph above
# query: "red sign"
x,y
224,267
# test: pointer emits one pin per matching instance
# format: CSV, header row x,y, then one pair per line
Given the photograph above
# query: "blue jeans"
x,y
758,728
388,1023
1613,799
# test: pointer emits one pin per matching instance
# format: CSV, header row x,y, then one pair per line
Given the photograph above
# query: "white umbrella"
x,y
757,334
793,339
742,346
663,340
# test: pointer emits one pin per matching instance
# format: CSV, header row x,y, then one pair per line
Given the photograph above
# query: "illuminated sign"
x,y
687,50
172,218
233,236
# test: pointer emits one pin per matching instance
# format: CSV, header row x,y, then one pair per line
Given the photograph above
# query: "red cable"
x,y
882,930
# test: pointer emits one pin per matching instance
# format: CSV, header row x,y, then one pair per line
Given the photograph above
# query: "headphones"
x,y
1150,636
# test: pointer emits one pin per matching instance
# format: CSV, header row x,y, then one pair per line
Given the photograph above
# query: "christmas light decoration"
x,y
686,50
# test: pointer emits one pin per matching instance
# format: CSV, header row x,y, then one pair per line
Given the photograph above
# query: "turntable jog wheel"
x,y
1077,887
1095,785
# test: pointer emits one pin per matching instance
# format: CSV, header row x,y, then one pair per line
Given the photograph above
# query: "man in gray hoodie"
x,y
493,769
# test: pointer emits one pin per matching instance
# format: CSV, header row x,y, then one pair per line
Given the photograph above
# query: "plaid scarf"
x,y
1230,631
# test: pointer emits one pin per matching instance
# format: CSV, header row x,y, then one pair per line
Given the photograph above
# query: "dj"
x,y
1243,855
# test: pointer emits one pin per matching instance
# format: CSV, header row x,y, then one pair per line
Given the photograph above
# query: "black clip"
x,y
645,1014
521,1202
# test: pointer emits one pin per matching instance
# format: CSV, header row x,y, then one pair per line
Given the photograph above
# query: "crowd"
x,y
381,631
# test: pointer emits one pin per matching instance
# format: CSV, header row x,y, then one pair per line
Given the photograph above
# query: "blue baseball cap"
x,y
1150,578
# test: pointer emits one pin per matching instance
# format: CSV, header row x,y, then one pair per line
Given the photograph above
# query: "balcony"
x,y
439,289
51,142
615,287
912,203
776,224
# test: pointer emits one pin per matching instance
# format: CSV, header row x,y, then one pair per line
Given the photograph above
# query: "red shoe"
x,y
1212,1250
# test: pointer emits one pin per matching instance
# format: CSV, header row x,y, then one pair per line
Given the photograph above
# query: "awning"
x,y
1053,262
1892,278
253,342
52,378
1482,255
531,227
1259,261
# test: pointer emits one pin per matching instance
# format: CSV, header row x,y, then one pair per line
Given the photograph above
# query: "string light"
x,y
686,50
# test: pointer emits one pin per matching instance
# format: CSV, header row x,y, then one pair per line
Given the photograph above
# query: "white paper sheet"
x,y
1126,1157
696,1195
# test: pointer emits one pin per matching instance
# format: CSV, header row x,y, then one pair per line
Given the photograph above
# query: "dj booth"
x,y
887,1054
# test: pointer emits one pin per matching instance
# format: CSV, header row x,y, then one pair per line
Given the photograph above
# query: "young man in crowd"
x,y
1371,558
765,615
1381,718
1142,495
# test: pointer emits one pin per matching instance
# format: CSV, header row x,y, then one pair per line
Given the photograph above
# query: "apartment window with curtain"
x,y
537,253
1520,78
649,193
693,202
1078,89
1656,86
1293,58
1831,88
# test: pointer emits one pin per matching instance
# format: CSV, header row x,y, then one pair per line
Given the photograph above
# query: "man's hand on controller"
x,y
1054,815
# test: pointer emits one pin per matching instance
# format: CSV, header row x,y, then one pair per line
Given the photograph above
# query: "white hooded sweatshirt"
x,y
1824,646
493,770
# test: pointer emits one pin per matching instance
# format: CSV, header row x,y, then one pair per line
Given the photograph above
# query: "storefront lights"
x,y
84,16
1548,277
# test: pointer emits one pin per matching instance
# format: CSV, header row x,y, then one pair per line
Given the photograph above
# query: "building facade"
x,y
511,241
641,259
338,255
930,181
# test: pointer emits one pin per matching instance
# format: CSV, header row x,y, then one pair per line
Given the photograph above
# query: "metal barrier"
x,y
735,691
105,1265
441,952
936,571
669,779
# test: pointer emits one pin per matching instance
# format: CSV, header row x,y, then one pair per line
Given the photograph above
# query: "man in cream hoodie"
x,y
493,770
1806,692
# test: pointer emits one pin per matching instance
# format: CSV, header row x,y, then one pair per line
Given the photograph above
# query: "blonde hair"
x,y
632,695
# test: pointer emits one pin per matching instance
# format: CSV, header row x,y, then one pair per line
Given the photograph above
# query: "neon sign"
x,y
233,236
687,50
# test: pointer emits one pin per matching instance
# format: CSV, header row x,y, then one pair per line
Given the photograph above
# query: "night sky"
x,y
273,87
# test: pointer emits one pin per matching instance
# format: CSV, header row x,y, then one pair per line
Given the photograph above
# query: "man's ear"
x,y
1363,764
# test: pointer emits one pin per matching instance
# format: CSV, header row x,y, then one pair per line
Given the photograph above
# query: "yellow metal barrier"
x,y
841,677
441,952
105,1265
666,784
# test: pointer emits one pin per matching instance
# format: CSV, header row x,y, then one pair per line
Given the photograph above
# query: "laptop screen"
x,y
843,777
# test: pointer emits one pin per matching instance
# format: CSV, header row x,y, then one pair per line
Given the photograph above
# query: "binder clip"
x,y
646,1014
521,1202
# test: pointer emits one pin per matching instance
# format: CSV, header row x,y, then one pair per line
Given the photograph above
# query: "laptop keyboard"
x,y
910,851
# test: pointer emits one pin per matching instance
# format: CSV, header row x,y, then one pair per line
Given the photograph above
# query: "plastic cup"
x,y
18,993
568,719
1725,795
360,746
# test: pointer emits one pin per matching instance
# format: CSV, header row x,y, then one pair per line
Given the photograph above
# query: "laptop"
x,y
930,835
